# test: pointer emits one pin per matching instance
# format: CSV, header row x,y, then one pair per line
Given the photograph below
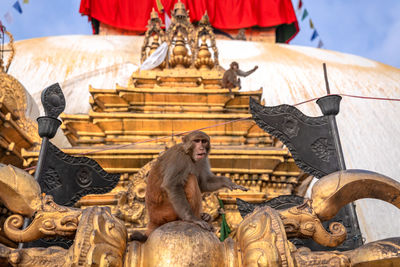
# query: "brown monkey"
x,y
176,180
230,79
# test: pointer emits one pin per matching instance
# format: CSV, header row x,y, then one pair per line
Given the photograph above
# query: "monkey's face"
x,y
200,148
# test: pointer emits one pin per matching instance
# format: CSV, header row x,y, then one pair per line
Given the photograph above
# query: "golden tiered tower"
x,y
128,127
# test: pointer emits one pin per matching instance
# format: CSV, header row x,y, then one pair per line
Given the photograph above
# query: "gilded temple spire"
x,y
153,29
188,46
180,23
204,29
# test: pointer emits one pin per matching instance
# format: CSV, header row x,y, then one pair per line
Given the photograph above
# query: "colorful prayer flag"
x,y
300,4
1,27
314,35
17,6
305,14
26,1
320,44
311,24
8,17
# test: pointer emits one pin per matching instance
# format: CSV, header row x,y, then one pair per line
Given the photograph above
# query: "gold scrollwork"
x,y
301,221
44,224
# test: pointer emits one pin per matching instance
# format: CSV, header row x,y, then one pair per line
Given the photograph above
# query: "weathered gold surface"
x,y
205,31
18,192
196,246
4,66
17,132
204,60
153,29
382,253
179,57
181,30
50,220
261,240
301,221
100,239
340,188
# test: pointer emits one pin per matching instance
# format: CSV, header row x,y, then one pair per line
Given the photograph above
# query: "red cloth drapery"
x,y
223,14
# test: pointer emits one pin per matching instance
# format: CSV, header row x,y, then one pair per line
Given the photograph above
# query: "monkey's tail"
x,y
138,236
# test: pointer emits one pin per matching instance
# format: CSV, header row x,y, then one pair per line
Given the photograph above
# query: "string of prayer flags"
x,y
311,24
17,6
314,35
305,14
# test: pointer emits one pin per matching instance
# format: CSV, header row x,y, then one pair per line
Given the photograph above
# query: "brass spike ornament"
x,y
153,29
204,60
6,48
180,24
204,29
179,57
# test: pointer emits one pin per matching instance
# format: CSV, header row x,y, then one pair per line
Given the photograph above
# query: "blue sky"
x,y
368,28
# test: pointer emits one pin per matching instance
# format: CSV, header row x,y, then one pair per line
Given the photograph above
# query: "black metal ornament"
x,y
53,102
309,139
66,178
314,142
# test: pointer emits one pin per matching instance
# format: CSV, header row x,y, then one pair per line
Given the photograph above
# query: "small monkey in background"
x,y
178,178
230,79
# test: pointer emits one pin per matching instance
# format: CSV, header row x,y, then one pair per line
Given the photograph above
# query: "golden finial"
x,y
180,49
205,20
153,14
180,56
179,5
154,45
180,11
204,60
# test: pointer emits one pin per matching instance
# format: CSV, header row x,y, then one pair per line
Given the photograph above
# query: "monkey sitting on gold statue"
x,y
100,239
